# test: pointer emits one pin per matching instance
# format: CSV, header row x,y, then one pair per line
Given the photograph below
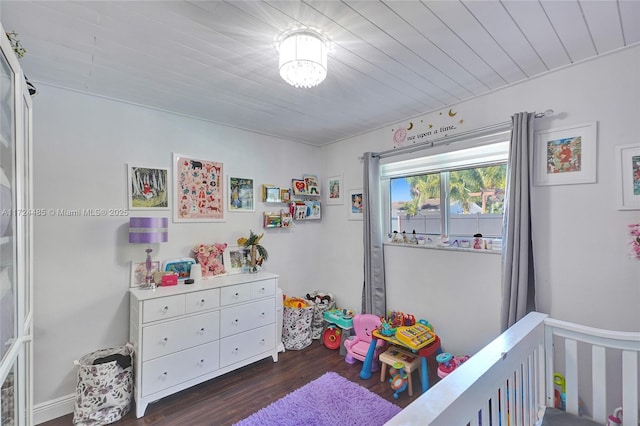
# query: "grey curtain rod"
x,y
452,139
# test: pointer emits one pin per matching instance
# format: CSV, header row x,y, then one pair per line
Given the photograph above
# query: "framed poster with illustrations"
x,y
356,196
566,156
148,188
335,190
199,191
628,176
241,194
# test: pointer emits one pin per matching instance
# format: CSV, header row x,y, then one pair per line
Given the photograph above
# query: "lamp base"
x,y
150,286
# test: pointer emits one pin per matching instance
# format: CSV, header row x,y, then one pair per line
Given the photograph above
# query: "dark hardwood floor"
x,y
232,397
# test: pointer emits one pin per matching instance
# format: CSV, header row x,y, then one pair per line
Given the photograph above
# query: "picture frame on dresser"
x,y
235,257
139,272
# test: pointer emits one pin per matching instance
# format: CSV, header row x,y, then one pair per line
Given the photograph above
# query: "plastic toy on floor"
x,y
398,378
447,363
357,346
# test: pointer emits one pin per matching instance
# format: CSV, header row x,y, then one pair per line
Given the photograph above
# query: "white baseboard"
x,y
54,408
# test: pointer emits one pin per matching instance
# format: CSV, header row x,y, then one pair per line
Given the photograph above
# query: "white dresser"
x,y
186,334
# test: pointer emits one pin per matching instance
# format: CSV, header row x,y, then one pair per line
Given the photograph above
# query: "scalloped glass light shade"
x,y
303,59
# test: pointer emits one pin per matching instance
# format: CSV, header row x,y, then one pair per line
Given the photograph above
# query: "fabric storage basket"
x,y
296,328
105,386
321,302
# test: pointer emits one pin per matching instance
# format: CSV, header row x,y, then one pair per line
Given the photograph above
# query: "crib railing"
x,y
499,385
511,380
602,345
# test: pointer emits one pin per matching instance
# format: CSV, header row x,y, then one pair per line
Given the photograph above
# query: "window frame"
x,y
472,152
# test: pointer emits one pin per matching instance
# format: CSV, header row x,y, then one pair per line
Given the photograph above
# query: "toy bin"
x,y
296,327
322,302
105,386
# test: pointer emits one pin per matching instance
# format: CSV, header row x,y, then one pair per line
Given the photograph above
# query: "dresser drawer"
x,y
245,345
173,336
202,300
237,319
162,308
161,373
235,294
260,289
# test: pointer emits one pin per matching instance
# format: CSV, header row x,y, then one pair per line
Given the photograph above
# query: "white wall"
x,y
584,273
82,145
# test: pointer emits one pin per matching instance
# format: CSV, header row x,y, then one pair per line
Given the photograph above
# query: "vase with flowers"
x,y
257,252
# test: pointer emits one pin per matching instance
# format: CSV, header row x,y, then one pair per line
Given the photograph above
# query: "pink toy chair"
x,y
358,345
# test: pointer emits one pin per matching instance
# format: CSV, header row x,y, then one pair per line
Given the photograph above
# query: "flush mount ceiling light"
x,y
303,58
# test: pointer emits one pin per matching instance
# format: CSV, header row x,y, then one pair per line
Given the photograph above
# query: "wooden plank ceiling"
x,y
390,60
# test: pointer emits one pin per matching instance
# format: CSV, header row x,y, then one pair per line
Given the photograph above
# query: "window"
x,y
455,193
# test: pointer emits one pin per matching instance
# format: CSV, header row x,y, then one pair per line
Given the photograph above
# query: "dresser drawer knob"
x,y
165,374
236,294
236,321
236,350
202,301
165,340
165,309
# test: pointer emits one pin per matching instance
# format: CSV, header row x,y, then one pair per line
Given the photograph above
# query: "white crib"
x,y
510,381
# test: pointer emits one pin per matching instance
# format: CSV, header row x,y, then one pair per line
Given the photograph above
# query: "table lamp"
x,y
148,230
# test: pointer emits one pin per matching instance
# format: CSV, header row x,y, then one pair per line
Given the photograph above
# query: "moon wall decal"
x,y
410,126
452,114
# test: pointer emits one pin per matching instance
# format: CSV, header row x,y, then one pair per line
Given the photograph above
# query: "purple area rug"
x,y
329,400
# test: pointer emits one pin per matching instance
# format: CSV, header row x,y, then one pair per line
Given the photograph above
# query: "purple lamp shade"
x,y
148,230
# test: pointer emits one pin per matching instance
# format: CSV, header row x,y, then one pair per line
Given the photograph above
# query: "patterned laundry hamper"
x,y
296,328
105,386
322,302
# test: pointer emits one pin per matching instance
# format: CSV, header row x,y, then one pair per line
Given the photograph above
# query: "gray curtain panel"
x,y
374,298
518,278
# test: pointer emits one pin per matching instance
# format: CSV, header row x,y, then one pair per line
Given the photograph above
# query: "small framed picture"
x,y
299,187
311,181
241,194
628,176
271,194
565,156
139,272
335,190
148,188
285,195
356,198
235,257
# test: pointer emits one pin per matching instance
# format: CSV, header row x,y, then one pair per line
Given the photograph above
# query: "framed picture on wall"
x,y
241,194
356,196
566,156
628,176
199,192
148,188
335,190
